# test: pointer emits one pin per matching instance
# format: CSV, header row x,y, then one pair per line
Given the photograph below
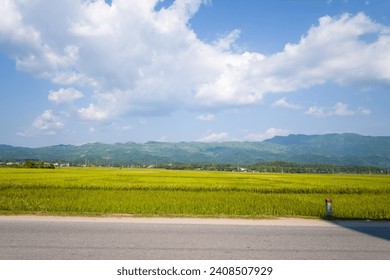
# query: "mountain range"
x,y
338,149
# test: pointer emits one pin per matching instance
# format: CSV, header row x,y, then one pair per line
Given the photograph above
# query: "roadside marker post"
x,y
328,208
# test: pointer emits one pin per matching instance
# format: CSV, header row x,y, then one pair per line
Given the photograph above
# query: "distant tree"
x,y
30,164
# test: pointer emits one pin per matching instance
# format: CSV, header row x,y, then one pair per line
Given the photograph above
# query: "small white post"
x,y
328,208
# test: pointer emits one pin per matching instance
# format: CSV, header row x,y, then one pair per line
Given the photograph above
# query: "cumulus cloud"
x,y
93,112
269,133
364,111
339,109
215,137
282,102
225,43
335,51
135,59
205,117
48,122
108,106
64,95
317,111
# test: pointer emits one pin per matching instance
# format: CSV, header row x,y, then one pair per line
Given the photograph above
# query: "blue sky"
x,y
73,72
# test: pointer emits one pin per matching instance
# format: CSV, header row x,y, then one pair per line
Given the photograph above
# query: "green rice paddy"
x,y
155,192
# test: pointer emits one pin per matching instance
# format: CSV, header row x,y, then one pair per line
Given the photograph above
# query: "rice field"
x,y
154,192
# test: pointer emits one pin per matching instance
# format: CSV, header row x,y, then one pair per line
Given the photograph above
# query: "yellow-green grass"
x,y
144,192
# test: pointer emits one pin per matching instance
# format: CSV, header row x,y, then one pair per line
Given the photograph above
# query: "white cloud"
x,y
333,51
236,84
205,117
70,78
317,111
225,43
364,111
339,109
64,95
137,60
93,113
269,133
215,137
109,105
283,103
47,122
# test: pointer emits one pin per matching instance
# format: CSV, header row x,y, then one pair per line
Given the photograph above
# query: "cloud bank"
x,y
339,109
129,58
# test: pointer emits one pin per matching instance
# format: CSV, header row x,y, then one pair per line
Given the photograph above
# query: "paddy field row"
x,y
155,192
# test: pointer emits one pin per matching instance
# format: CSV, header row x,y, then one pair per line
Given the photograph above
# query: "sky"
x,y
83,71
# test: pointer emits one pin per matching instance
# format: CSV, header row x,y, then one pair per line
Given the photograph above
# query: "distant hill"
x,y
338,149
341,149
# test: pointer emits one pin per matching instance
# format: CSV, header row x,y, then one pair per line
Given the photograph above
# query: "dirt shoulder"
x,y
200,221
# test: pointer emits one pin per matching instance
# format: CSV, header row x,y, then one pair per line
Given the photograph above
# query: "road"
x,y
32,237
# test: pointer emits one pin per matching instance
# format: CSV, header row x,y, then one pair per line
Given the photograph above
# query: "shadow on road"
x,y
374,228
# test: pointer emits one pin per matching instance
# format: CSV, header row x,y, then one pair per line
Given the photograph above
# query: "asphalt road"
x,y
158,238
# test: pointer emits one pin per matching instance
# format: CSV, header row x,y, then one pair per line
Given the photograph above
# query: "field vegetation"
x,y
158,192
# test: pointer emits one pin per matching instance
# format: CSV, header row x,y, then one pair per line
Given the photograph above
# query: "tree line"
x,y
278,167
271,167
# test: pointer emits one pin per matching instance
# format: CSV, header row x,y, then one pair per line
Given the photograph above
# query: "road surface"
x,y
63,238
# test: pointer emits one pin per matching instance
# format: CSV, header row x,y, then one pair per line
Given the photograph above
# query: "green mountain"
x,y
339,149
